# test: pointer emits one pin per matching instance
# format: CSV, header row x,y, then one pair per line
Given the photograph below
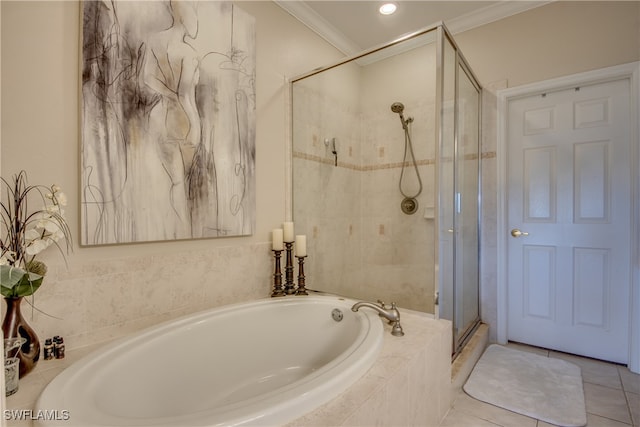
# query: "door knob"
x,y
517,233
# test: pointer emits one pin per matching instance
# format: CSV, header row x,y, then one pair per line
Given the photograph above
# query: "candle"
x,y
288,232
301,246
276,238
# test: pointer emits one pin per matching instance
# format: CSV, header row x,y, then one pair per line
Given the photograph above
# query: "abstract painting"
x,y
168,121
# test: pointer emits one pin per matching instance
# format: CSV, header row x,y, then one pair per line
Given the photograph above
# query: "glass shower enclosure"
x,y
391,207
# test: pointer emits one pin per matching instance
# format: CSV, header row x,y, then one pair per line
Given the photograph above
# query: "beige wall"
x,y
107,290
554,40
557,39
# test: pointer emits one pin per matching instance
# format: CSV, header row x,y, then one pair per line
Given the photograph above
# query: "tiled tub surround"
x,y
408,385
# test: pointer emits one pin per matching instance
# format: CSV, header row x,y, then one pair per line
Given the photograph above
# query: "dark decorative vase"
x,y
14,326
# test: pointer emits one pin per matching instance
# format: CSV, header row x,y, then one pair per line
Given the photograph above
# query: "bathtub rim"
x,y
55,394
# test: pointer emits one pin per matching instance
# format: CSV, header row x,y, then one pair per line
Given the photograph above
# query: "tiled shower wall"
x,y
327,197
397,259
363,245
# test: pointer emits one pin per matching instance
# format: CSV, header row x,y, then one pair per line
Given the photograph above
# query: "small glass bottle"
x,y
59,348
48,349
55,347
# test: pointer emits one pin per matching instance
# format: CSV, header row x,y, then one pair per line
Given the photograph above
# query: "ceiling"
x,y
355,26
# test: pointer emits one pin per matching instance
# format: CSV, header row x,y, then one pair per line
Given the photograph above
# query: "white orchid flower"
x,y
53,209
56,235
37,246
61,198
44,221
32,234
51,226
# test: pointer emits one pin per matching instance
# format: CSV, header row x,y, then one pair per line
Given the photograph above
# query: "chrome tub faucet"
x,y
391,314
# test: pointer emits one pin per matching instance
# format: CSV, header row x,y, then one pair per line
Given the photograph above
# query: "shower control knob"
x,y
409,205
517,233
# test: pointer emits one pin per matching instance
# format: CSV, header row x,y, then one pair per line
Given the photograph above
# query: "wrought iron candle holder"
x,y
278,290
289,286
302,290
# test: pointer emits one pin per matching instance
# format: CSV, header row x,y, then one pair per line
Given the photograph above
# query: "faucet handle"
x,y
397,328
384,307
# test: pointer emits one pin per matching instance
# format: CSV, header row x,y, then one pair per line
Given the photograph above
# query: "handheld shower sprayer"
x,y
398,107
409,204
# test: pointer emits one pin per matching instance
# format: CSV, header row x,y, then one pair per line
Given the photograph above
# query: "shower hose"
x,y
408,147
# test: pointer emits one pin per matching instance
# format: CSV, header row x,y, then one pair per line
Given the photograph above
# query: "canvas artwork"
x,y
168,121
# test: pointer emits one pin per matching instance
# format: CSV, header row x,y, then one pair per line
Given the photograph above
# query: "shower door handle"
x,y
517,233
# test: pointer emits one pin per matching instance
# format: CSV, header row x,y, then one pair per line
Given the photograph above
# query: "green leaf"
x,y
15,282
10,276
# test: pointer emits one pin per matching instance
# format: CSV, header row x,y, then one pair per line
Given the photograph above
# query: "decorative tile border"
x,y
363,168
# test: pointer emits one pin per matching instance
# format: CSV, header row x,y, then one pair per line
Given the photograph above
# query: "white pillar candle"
x,y
288,232
276,239
301,245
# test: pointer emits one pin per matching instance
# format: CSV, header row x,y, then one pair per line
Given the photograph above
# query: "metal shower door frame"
x,y
443,35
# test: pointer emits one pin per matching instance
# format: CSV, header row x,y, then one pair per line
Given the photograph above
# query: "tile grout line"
x,y
626,397
622,387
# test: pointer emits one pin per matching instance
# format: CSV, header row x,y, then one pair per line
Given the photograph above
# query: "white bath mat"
x,y
532,385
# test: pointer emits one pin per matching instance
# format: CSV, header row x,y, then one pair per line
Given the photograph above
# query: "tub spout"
x,y
391,314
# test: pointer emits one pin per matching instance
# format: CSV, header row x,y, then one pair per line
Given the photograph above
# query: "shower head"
x,y
397,107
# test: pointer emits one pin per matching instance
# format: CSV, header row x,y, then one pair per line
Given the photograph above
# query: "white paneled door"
x,y
569,218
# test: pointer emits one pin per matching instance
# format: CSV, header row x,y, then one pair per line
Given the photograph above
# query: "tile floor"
x,y
612,398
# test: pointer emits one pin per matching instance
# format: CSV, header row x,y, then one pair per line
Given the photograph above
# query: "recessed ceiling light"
x,y
387,8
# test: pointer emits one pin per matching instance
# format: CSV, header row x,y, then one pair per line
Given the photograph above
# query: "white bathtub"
x,y
260,363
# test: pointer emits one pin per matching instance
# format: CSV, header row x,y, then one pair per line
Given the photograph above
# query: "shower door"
x,y
466,203
459,171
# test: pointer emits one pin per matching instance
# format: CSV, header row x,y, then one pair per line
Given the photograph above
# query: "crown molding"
x,y
492,13
486,15
322,27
